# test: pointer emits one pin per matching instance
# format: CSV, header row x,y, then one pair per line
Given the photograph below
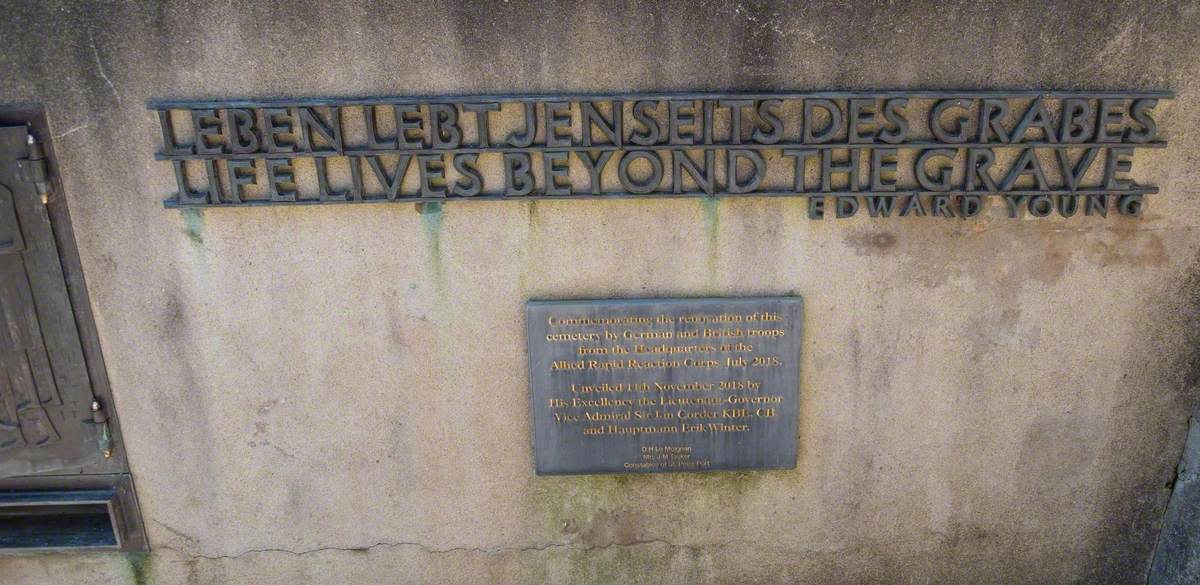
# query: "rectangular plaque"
x,y
650,385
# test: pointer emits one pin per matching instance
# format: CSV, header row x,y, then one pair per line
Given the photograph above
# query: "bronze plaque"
x,y
655,385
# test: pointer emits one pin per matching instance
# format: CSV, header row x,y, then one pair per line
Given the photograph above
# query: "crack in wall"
x,y
70,131
100,66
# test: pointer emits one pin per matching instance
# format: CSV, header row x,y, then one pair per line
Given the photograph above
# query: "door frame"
x,y
111,472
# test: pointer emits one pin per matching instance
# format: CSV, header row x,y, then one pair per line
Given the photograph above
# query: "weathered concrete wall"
x,y
338,395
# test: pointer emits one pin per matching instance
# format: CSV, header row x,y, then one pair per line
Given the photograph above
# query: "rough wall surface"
x,y
338,395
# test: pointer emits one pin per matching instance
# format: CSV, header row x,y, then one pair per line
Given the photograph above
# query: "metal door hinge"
x,y
34,169
100,417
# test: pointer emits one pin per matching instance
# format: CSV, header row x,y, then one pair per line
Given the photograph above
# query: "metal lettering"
x,y
971,146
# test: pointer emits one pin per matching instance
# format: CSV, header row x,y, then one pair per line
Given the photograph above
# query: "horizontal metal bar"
x,y
56,497
630,148
1146,190
574,97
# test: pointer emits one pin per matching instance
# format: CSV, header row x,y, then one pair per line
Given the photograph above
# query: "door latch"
x,y
100,417
34,169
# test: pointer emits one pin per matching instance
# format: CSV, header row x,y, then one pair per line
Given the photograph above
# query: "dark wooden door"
x,y
45,392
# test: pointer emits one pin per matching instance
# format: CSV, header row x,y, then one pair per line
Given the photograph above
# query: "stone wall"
x,y
339,395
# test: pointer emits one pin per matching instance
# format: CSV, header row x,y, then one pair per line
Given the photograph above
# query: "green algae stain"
x,y
712,227
531,210
193,220
618,507
432,216
615,526
139,567
626,564
199,252
531,225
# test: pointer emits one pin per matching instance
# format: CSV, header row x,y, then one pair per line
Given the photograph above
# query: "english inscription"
x,y
882,154
661,385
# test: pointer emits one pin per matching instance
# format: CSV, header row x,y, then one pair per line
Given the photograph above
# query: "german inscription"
x,y
659,385
932,154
